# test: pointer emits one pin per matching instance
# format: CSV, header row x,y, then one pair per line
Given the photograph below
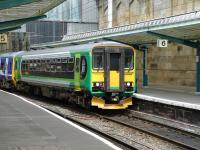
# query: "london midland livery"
x,y
99,75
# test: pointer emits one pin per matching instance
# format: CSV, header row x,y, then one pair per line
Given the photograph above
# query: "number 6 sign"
x,y
162,43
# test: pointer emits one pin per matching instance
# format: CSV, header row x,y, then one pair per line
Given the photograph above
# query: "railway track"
x,y
128,132
168,133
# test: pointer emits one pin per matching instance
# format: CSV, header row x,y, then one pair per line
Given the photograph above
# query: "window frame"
x,y
83,76
98,50
132,60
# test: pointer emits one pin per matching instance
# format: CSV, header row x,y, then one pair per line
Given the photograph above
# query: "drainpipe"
x,y
110,12
145,74
198,69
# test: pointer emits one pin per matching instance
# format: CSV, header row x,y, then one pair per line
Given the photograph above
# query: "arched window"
x,y
83,67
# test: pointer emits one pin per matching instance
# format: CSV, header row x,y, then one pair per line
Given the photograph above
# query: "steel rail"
x,y
145,130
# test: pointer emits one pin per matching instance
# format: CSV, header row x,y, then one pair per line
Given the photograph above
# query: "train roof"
x,y
11,54
83,47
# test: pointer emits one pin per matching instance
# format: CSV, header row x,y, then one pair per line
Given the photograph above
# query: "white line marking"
x,y
69,122
48,54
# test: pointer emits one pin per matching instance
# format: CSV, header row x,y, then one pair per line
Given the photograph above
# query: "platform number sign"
x,y
3,38
162,43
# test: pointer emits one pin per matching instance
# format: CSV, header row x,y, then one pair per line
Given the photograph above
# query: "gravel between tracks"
x,y
131,136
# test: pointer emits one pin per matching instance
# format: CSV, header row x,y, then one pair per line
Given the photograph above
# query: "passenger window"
x,y
98,62
83,67
129,59
70,67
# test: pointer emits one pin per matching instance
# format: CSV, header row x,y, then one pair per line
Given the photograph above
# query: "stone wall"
x,y
133,11
172,66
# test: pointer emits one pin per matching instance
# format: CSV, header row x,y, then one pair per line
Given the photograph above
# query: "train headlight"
x,y
128,84
98,84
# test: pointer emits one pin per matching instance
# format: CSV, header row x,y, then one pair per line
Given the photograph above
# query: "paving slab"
x,y
26,127
170,97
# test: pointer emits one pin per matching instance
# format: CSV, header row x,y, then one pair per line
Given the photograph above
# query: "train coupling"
x,y
100,103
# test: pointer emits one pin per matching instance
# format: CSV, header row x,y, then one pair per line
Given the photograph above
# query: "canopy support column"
x,y
145,74
187,43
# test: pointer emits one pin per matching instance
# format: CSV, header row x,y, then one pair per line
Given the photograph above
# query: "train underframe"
x,y
69,96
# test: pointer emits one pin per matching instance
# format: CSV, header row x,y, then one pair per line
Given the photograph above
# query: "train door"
x,y
6,68
16,71
114,70
1,68
77,72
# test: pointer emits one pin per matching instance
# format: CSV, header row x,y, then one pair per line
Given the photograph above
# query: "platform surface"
x,y
27,127
170,97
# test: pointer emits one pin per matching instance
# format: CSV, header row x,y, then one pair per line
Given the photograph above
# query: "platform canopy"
x,y
14,13
183,29
180,29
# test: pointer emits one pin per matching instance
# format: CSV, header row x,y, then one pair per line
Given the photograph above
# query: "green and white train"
x,y
100,74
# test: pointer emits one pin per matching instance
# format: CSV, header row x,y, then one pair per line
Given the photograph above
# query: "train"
x,y
95,75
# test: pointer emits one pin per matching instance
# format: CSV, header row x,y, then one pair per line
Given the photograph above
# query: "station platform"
x,y
174,97
26,126
180,105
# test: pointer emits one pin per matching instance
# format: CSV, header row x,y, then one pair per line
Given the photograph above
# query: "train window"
x,y
83,67
64,60
70,67
58,68
129,58
71,60
98,61
58,60
2,65
48,67
53,68
52,60
42,67
48,61
43,61
114,61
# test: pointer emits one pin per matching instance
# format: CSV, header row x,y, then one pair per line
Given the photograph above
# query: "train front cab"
x,y
113,77
6,66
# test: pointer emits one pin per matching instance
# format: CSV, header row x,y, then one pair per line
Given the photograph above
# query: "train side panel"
x,y
6,68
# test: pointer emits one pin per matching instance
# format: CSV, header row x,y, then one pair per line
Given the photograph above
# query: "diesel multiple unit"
x,y
97,74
